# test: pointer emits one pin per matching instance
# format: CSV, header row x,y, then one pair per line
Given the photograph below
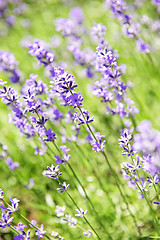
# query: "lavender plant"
x,y
67,170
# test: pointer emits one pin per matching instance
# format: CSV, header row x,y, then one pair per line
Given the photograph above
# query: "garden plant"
x,y
79,119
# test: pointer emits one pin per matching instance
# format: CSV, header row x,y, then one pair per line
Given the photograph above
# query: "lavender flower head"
x,y
77,14
98,32
40,50
142,46
9,64
63,187
60,211
80,212
52,172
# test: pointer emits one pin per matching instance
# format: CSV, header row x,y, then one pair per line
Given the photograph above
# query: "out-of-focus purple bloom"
x,y
77,14
88,233
98,31
9,64
66,26
11,164
10,20
142,46
39,233
71,220
60,211
147,141
157,3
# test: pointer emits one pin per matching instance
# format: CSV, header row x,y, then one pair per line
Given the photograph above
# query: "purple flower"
x,y
50,135
20,227
58,160
124,142
60,211
15,203
77,14
9,64
39,233
98,31
63,187
12,165
75,100
80,212
40,50
98,145
71,221
1,194
88,233
5,219
142,46
19,237
52,172
2,207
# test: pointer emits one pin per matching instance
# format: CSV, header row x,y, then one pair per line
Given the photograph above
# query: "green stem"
x,y
150,207
84,216
86,195
117,180
13,229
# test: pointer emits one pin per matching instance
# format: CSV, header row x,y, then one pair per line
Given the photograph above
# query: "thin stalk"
x,y
156,190
86,195
84,216
150,207
113,173
117,180
13,229
143,193
94,172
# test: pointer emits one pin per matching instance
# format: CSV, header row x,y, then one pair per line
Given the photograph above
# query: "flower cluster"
x,y
7,220
29,110
8,11
39,232
147,142
40,50
9,65
129,26
156,3
110,87
141,172
6,212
